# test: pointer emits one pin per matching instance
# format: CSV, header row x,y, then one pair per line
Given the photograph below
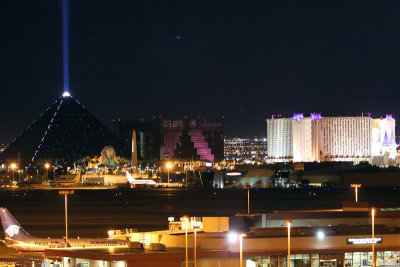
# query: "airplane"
x,y
133,181
16,237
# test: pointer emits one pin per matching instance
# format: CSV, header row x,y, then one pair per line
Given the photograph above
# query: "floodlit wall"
x,y
215,224
302,140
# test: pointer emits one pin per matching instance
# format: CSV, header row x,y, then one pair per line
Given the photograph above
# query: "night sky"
x,y
245,60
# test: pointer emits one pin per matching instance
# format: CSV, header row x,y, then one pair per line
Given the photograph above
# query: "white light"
x,y
171,219
233,173
66,94
111,232
232,237
320,235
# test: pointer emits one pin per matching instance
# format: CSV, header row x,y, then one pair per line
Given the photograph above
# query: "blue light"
x,y
65,44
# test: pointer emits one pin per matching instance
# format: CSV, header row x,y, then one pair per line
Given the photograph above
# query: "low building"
x,y
317,238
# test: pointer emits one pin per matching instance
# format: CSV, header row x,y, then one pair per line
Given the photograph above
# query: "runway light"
x,y
232,237
320,235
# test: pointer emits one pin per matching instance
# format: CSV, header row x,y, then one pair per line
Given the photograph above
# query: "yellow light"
x,y
169,165
13,166
47,165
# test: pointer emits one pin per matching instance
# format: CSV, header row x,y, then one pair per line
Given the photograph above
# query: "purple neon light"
x,y
298,116
201,145
389,117
385,140
315,116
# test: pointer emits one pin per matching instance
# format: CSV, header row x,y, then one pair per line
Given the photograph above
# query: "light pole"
x,y
66,193
356,186
248,197
168,167
186,239
241,248
13,167
186,181
373,236
195,228
233,237
289,223
47,166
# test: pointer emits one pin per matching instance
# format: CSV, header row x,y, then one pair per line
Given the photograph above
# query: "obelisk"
x,y
134,152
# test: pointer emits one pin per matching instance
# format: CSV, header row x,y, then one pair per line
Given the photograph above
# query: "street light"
x,y
13,167
47,166
195,228
289,223
186,218
356,186
373,236
241,248
248,197
320,235
168,167
233,237
66,193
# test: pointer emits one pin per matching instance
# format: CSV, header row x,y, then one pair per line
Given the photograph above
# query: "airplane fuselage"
x,y
40,244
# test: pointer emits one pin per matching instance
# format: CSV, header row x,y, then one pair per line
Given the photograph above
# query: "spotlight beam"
x,y
65,45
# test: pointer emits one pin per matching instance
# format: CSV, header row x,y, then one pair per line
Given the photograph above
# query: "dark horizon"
x,y
243,61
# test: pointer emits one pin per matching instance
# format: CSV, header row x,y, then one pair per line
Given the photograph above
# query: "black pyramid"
x,y
64,133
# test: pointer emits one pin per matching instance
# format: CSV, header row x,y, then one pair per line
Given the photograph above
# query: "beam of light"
x,y
65,44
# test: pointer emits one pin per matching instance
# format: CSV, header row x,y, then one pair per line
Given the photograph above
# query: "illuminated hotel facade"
x,y
279,138
317,138
187,139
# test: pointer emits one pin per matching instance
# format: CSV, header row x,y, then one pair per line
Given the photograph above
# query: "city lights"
x,y
158,78
245,149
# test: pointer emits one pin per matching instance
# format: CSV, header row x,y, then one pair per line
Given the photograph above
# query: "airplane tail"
x,y
11,227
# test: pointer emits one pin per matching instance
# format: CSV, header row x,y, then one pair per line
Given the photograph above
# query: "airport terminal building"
x,y
320,238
